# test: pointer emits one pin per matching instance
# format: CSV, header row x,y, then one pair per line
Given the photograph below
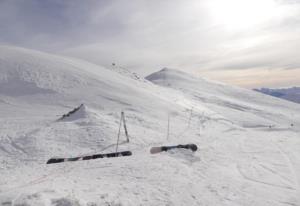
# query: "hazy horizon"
x,y
247,43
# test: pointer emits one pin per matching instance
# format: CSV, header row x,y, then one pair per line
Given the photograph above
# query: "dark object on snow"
x,y
71,112
155,150
90,157
125,129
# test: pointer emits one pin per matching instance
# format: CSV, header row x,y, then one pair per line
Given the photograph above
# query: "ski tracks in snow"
x,y
294,171
267,164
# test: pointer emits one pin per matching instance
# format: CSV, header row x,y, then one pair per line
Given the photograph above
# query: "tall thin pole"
x,y
119,133
168,131
124,124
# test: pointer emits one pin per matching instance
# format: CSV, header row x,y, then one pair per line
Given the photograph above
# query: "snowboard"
x,y
155,150
89,157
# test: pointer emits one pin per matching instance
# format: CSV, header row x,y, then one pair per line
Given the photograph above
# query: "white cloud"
x,y
147,35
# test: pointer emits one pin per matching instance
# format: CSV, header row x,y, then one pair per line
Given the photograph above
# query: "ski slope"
x,y
248,143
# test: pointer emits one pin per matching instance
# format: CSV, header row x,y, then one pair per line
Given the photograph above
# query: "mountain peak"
x,y
168,74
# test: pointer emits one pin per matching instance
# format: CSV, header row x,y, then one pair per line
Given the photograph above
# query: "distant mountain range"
x,y
290,94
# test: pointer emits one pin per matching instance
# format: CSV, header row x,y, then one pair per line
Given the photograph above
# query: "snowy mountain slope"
x,y
25,72
71,83
240,161
242,106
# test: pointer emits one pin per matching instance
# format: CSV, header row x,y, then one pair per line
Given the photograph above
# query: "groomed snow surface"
x,y
248,143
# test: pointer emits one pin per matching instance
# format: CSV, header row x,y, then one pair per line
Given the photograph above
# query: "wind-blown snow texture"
x,y
248,143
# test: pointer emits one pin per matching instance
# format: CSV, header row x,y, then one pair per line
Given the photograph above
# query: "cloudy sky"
x,y
251,43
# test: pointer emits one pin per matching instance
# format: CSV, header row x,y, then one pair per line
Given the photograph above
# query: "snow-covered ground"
x,y
248,143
